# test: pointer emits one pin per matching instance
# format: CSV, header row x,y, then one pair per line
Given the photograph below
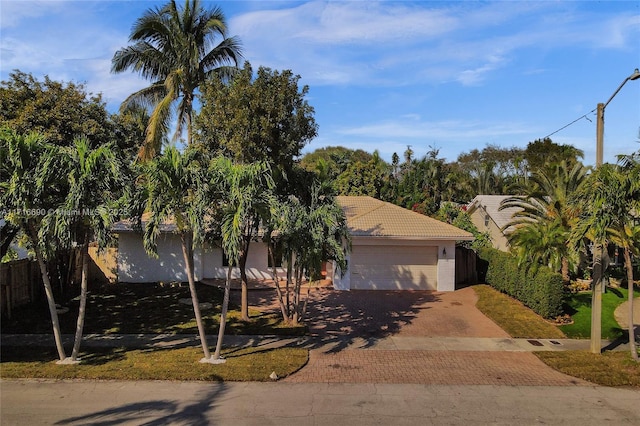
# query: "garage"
x,y
388,267
393,248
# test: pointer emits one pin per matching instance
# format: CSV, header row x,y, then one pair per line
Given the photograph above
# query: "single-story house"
x,y
486,216
392,248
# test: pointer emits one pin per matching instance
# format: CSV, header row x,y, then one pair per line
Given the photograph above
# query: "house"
x,y
392,248
486,216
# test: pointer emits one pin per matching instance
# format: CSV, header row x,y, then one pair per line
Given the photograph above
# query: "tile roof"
x,y
367,216
491,204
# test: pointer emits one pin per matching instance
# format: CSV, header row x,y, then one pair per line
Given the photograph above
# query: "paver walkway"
x,y
412,338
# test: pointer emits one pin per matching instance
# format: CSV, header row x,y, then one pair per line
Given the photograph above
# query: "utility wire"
x,y
574,121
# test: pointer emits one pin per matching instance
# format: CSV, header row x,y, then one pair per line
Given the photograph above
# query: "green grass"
x,y
513,317
608,369
146,308
579,307
250,364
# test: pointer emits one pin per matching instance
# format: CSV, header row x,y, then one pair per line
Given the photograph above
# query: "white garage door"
x,y
394,268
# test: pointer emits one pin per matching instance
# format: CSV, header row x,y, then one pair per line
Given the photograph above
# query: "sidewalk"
x,y
329,345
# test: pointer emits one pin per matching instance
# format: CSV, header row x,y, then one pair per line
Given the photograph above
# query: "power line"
x,y
574,121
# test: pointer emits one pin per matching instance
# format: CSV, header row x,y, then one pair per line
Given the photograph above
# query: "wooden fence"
x,y
20,283
466,260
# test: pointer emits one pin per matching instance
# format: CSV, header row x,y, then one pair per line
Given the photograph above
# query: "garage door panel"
x,y
394,267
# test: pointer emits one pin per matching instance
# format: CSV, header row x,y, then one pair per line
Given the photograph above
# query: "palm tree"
x,y
548,206
310,234
28,191
172,187
92,176
176,49
609,201
245,191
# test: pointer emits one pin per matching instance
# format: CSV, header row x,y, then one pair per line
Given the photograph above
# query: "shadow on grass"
x,y
156,412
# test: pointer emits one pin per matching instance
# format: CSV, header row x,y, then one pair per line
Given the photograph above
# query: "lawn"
x,y
146,308
579,307
250,364
513,317
149,308
609,369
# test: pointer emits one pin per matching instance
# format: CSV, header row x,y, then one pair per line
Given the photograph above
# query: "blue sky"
x,y
383,75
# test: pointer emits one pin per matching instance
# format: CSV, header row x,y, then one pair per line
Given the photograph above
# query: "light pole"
x,y
597,285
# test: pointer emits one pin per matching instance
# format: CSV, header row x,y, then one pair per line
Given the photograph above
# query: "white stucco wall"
x,y
447,266
134,265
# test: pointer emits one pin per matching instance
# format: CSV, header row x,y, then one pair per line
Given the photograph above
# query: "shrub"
x,y
539,288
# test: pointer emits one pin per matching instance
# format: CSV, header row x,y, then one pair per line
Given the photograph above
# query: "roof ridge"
x,y
380,205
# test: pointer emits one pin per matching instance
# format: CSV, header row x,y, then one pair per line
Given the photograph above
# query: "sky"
x,y
452,76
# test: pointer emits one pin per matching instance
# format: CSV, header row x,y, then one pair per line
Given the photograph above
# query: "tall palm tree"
x,y
28,191
548,205
609,202
92,176
176,49
171,187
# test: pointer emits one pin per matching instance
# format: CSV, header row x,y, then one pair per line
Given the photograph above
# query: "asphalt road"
x,y
36,402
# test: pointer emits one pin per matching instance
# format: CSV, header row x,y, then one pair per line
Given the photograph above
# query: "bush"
x,y
539,288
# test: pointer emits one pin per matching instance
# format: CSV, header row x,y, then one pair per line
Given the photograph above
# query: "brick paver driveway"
x,y
339,319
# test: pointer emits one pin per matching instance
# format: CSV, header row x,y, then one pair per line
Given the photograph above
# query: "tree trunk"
x,y
187,252
244,305
223,315
276,280
632,335
49,292
565,271
84,254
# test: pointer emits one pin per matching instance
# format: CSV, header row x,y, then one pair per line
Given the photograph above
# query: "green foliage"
x,y
545,218
60,112
361,179
540,289
543,155
454,215
329,162
262,119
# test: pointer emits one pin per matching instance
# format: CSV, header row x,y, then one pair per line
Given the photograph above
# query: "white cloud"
x,y
13,12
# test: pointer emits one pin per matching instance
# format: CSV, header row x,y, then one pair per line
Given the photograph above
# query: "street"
x,y
39,402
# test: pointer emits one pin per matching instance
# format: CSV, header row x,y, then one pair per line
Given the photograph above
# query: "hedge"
x,y
540,288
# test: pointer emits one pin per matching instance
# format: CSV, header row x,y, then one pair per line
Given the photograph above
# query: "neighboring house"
x,y
392,248
486,216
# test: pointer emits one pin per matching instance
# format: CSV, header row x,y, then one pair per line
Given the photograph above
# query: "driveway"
x,y
352,327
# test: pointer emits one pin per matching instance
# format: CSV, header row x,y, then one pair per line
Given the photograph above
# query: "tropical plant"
x,y
93,177
172,188
176,49
245,201
309,236
547,211
29,190
609,202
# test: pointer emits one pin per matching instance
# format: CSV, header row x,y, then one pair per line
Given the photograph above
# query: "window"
x,y
277,255
486,220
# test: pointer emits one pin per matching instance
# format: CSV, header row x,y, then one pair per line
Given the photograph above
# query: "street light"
x,y
597,287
